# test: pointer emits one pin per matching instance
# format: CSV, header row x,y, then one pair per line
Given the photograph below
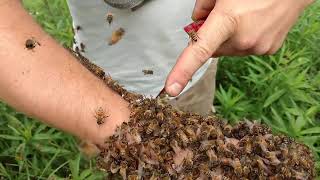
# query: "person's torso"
x,y
147,51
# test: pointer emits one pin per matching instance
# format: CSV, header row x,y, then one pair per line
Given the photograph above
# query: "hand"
x,y
234,28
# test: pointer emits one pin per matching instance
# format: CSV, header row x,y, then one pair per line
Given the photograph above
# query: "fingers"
x,y
202,9
217,28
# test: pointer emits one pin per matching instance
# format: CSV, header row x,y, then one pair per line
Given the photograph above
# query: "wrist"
x,y
102,115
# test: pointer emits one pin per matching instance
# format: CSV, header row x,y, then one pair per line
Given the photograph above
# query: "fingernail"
x,y
174,89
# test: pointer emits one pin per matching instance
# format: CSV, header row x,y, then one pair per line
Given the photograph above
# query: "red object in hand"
x,y
193,27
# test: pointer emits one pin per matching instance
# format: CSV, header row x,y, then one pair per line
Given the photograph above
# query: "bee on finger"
x,y
30,44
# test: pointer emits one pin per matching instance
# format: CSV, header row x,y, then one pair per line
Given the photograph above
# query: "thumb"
x,y
217,28
202,9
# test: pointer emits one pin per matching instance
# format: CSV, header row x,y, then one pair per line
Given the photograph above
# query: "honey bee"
x,y
227,130
30,44
133,150
168,156
193,36
273,158
116,36
147,72
77,49
190,133
212,155
114,168
109,18
147,113
160,116
262,166
123,169
133,177
206,144
100,115
78,28
152,127
183,137
90,150
82,47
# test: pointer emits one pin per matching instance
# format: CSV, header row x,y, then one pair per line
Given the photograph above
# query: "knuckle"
x,y
272,51
246,43
232,22
262,49
202,52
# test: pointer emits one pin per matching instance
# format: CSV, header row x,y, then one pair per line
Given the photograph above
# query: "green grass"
x,y
282,91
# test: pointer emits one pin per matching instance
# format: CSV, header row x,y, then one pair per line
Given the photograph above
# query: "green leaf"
x,y
274,97
314,130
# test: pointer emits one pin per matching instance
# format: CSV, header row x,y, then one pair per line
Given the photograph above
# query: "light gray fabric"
x,y
124,4
153,40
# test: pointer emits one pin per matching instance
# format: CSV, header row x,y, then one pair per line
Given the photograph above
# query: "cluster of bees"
x,y
160,142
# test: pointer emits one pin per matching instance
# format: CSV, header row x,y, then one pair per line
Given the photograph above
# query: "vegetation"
x,y
282,91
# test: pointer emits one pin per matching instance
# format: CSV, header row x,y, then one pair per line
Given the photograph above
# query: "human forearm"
x,y
48,83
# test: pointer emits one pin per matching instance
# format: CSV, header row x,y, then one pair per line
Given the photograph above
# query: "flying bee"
x,y
100,116
30,44
116,36
109,18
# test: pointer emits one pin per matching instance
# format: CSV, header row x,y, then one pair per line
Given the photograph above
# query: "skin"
x,y
234,28
48,83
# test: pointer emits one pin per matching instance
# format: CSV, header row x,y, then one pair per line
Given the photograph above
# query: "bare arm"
x,y
48,83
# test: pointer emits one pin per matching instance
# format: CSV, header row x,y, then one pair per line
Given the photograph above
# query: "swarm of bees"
x,y
160,142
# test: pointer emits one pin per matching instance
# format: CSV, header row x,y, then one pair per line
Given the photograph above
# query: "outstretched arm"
x,y
48,83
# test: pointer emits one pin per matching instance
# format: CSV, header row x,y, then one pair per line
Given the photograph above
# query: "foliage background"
x,y
282,91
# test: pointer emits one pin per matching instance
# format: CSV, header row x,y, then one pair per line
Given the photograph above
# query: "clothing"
x,y
199,98
153,39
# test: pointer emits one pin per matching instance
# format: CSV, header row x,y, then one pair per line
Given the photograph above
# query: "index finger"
x,y
217,28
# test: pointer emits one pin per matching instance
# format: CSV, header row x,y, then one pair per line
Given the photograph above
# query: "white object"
x,y
153,39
